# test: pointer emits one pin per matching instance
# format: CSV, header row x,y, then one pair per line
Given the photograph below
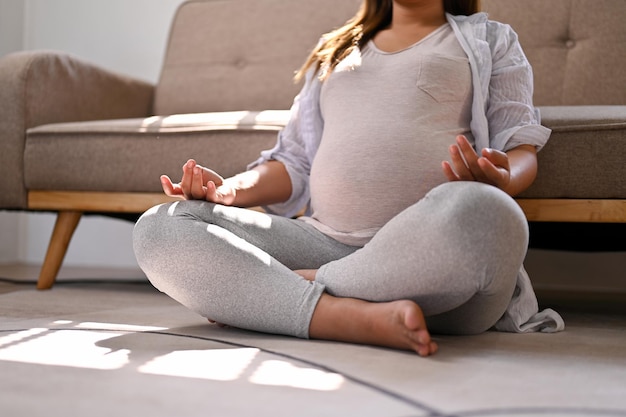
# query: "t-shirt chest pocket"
x,y
444,78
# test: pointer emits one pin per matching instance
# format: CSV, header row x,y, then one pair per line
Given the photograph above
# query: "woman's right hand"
x,y
199,183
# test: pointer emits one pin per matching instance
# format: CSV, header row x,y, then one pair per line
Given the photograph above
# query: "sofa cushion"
x,y
584,157
586,154
130,154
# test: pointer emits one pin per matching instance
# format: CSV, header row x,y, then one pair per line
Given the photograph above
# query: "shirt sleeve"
x,y
523,315
296,146
513,120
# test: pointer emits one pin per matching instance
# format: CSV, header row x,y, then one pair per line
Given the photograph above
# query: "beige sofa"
x,y
78,139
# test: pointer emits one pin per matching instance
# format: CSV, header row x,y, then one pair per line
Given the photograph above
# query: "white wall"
x,y
11,26
128,36
124,35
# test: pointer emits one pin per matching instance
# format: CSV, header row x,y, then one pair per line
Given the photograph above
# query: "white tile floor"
x,y
94,348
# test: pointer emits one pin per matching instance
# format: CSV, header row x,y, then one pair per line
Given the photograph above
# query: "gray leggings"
x,y
456,253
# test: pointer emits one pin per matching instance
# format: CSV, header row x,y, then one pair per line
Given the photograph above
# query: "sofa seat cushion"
x,y
585,156
129,155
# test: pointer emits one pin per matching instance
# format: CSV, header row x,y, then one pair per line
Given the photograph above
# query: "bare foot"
x,y
397,324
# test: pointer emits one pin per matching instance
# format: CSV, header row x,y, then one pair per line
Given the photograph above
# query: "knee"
x,y
147,226
152,235
487,228
473,195
158,243
162,223
505,219
482,207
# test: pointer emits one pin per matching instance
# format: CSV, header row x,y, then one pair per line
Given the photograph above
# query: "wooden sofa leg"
x,y
62,234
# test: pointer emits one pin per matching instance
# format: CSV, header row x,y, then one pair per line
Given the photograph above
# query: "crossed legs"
x,y
455,252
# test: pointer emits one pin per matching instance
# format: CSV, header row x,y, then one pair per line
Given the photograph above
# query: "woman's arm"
x,y
265,184
268,183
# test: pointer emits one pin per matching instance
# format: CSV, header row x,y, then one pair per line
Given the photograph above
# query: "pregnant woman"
x,y
413,130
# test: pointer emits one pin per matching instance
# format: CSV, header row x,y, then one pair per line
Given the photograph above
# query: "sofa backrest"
x,y
577,47
241,54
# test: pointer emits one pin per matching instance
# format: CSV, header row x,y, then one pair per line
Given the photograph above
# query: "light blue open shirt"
x,y
500,121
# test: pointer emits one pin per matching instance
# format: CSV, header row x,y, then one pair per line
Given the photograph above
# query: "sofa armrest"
x,y
585,157
49,87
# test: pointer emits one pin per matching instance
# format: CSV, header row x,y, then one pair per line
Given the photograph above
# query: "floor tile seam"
x,y
541,411
418,405
423,409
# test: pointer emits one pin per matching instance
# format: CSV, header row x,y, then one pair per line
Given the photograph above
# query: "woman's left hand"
x,y
491,167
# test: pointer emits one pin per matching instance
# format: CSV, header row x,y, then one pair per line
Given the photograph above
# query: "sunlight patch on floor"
x,y
82,345
281,373
214,364
62,348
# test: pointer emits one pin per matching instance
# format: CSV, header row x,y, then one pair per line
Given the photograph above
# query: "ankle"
x,y
308,274
398,324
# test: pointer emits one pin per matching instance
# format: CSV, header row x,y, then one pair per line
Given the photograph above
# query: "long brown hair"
x,y
373,16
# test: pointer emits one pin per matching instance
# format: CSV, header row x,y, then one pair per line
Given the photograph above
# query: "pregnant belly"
x,y
350,195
